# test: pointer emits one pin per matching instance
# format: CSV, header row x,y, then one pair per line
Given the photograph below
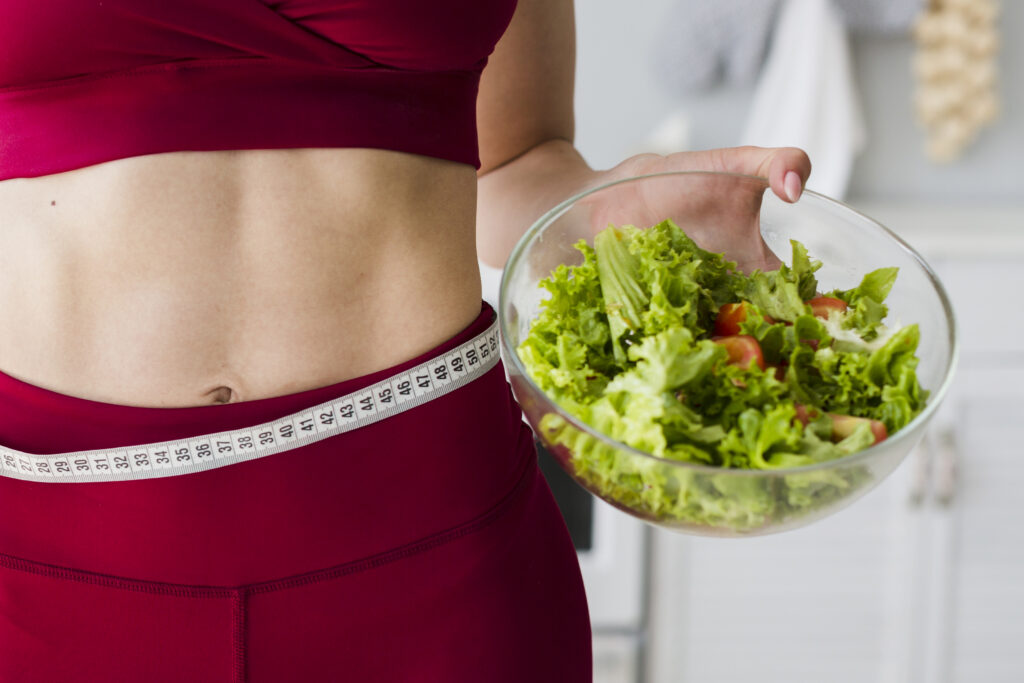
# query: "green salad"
x,y
672,350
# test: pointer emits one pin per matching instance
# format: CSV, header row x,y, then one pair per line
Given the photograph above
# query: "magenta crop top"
x,y
87,81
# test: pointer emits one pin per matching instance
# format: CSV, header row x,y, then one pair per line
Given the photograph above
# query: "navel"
x,y
221,395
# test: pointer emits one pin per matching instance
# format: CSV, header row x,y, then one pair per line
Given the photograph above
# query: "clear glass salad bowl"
x,y
717,210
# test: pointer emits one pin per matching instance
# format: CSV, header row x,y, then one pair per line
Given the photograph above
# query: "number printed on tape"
x,y
122,463
421,384
306,424
245,444
457,365
223,447
140,460
439,373
346,412
404,390
202,450
286,432
366,405
326,420
160,454
42,467
385,396
265,438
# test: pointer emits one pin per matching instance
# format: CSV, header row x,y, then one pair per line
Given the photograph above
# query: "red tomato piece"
x,y
844,425
729,317
742,349
727,322
805,415
821,306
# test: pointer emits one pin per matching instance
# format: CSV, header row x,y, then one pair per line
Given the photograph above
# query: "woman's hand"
x,y
774,163
720,213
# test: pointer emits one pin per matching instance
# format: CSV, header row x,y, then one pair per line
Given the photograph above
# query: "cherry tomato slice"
x,y
742,349
844,425
821,306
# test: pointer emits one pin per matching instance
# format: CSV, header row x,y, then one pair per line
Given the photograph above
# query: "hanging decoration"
x,y
955,70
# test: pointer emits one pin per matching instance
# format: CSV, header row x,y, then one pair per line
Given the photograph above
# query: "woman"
x,y
225,220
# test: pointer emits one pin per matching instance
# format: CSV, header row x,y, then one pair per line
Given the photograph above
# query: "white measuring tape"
x,y
386,398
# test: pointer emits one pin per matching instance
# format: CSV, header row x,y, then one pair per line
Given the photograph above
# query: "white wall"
x,y
619,101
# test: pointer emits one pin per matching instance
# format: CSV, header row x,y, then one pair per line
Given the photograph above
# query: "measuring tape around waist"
x,y
414,387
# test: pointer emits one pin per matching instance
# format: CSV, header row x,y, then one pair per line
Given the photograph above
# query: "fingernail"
x,y
791,183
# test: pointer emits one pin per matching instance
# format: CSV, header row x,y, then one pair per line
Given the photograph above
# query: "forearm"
x,y
526,103
512,196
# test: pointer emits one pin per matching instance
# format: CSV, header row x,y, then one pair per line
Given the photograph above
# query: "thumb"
x,y
786,168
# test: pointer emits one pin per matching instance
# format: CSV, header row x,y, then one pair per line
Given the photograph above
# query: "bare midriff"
x,y
195,278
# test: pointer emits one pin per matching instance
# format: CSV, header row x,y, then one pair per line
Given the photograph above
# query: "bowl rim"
x,y
868,453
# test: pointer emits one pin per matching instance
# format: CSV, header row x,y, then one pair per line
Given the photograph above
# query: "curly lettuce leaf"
x,y
667,361
567,351
623,292
893,369
866,302
781,293
757,434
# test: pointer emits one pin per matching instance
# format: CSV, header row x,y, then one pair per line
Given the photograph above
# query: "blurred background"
x,y
911,113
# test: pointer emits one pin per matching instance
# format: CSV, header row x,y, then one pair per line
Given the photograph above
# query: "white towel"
x,y
806,95
703,42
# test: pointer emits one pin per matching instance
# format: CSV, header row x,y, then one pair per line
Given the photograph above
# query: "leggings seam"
x,y
112,581
230,592
239,634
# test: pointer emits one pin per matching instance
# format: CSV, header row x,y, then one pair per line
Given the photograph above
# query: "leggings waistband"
x,y
408,388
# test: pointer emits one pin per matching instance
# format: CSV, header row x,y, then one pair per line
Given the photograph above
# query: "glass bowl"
x,y
709,207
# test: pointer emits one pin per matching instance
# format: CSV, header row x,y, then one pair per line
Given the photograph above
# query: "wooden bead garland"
x,y
955,69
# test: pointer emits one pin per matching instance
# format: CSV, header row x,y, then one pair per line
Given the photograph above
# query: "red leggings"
x,y
425,547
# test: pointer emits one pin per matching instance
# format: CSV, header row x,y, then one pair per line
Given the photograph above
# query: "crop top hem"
x,y
195,105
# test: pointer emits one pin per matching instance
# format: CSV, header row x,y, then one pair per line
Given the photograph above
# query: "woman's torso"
x,y
190,278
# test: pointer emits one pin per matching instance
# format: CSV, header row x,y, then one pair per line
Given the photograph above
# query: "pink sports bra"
x,y
87,81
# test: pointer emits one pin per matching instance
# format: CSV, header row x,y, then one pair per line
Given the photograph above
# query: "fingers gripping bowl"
x,y
724,474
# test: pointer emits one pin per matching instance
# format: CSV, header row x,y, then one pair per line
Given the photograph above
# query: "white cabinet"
x,y
973,612
981,637
616,657
920,581
822,603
